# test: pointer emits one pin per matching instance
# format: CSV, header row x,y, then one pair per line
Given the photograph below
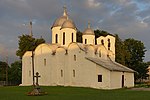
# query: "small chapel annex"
x,y
68,63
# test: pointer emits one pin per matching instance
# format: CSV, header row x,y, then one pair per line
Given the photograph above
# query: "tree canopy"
x,y
27,43
137,50
3,66
15,72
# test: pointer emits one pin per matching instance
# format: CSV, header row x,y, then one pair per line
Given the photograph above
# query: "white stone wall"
x,y
27,69
90,39
56,30
116,79
105,39
69,59
68,36
129,79
105,84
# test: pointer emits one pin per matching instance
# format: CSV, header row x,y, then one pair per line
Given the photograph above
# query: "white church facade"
x,y
68,63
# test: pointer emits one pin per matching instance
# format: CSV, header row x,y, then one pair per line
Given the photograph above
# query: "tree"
x,y
137,51
15,72
27,43
79,37
121,51
3,66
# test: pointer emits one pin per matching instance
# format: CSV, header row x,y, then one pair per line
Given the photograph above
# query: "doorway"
x,y
122,81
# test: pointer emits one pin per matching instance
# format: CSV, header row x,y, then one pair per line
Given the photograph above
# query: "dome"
x,y
88,31
59,21
68,24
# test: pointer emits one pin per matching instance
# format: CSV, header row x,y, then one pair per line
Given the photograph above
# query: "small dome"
x,y
59,21
88,31
68,24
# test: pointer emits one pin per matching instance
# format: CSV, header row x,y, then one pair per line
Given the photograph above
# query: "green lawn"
x,y
72,93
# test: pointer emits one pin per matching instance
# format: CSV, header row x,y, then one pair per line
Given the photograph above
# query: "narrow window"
x,y
74,74
56,38
99,53
95,42
102,42
75,58
72,37
29,73
108,44
85,41
99,78
63,38
61,73
44,62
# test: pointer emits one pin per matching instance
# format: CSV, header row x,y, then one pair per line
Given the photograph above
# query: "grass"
x,y
72,93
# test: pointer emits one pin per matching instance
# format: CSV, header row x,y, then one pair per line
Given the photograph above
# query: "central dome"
x,y
59,21
68,24
64,21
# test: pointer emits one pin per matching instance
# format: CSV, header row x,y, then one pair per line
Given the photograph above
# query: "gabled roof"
x,y
110,65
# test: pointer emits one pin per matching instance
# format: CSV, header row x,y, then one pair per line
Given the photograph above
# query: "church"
x,y
66,62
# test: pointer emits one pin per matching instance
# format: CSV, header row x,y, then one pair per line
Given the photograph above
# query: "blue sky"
x,y
127,18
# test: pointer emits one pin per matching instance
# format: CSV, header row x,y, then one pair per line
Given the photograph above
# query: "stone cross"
x,y
37,77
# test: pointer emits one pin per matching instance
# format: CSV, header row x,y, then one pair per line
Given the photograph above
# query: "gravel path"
x,y
141,89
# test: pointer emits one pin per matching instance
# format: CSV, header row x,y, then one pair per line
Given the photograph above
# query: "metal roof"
x,y
110,65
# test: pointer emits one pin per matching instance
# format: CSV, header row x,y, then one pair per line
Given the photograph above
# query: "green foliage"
x,y
121,52
137,51
79,37
148,63
27,43
15,72
99,33
3,66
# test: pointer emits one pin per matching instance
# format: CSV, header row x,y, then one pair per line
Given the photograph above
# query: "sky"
x,y
127,18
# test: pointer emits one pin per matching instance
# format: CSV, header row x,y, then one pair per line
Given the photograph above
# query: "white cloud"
x,y
93,3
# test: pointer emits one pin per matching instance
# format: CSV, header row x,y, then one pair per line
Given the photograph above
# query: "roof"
x,y
88,30
59,21
64,21
68,24
110,65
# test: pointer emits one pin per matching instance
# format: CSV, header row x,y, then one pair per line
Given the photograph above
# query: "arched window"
x,y
63,38
100,53
85,41
61,73
75,58
74,73
56,38
29,73
108,44
72,37
44,62
102,42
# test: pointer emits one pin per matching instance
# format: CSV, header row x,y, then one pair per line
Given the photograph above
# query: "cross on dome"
x,y
65,11
89,25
